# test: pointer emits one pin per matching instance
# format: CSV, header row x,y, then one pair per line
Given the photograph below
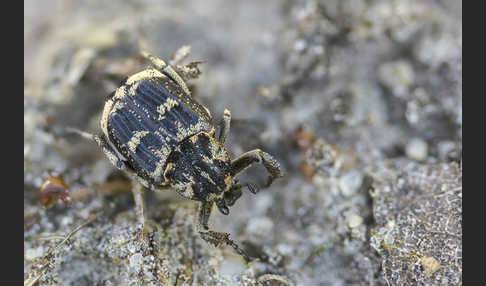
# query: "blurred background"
x,y
360,101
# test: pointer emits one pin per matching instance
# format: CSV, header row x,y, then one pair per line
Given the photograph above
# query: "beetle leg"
x,y
114,157
213,237
257,156
233,194
137,187
137,191
168,70
180,55
225,126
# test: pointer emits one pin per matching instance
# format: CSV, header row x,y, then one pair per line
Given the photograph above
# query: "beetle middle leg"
x,y
257,156
116,160
213,237
137,191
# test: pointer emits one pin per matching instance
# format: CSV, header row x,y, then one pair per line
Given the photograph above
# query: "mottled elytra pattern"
x,y
202,164
148,118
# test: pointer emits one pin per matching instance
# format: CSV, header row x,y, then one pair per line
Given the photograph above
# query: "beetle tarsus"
x,y
254,189
214,238
159,64
218,238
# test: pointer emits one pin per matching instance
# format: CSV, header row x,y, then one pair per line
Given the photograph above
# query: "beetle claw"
x,y
222,207
253,188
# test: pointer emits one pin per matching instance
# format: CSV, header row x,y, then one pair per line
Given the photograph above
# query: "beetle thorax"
x,y
199,168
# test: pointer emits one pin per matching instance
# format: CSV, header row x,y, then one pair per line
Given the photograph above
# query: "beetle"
x,y
160,136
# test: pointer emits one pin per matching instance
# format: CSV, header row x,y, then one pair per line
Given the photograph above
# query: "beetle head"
x,y
200,169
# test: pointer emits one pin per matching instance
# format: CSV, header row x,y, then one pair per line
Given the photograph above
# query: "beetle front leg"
x,y
257,156
225,126
233,194
213,237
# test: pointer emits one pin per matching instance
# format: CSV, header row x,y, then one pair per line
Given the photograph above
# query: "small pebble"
x,y
260,226
430,265
350,183
232,266
417,149
285,249
136,261
33,253
354,220
398,76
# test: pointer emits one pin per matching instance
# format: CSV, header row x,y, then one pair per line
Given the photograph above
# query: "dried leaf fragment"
x,y
53,189
430,265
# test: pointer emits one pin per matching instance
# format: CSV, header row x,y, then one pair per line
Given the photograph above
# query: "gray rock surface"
x,y
361,102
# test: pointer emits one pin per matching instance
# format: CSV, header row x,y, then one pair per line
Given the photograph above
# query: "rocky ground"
x,y
360,101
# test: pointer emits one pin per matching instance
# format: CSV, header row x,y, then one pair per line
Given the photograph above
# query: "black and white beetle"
x,y
156,132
